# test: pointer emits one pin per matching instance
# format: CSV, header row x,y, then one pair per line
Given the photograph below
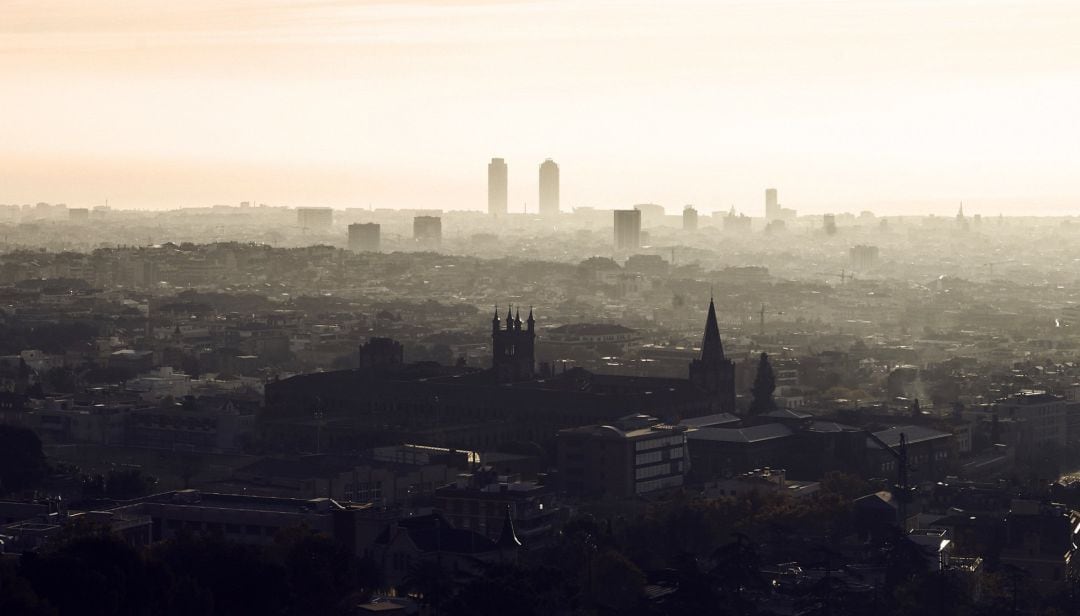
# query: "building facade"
x,y
549,188
497,187
364,237
627,229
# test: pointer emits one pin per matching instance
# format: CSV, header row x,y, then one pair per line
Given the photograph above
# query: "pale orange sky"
x,y
842,105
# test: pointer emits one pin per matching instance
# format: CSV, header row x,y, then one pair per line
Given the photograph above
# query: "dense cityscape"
x,y
261,409
539,308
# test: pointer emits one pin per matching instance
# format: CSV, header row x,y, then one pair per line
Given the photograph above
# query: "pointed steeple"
x,y
531,321
517,319
495,319
711,347
509,317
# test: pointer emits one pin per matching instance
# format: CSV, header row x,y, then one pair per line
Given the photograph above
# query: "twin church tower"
x,y
513,357
497,188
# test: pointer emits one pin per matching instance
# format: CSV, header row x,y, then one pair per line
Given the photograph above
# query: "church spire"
x,y
711,347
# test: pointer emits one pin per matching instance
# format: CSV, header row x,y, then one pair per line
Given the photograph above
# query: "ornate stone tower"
x,y
513,357
714,373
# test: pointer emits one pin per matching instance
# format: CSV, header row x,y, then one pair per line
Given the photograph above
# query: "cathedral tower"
x,y
714,373
513,356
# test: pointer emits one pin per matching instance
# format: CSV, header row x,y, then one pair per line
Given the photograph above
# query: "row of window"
x,y
666,441
663,483
657,455
652,471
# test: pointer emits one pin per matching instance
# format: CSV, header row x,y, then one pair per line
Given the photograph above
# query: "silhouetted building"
x,y
689,218
627,229
513,356
315,217
713,373
78,214
497,191
549,188
772,206
829,223
458,406
863,257
427,230
479,501
737,222
632,456
381,353
364,237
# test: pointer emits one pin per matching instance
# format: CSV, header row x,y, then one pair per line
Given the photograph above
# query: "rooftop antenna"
x,y
761,321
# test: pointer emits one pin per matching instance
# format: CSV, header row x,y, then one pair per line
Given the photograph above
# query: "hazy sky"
x,y
901,106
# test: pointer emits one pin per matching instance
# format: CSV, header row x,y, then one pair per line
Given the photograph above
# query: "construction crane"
x,y
761,319
901,490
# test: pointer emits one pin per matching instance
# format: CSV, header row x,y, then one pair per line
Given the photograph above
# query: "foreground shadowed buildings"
x,y
386,401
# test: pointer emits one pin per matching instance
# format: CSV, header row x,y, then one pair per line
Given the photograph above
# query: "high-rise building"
x,y
864,257
772,206
829,223
497,187
627,229
549,188
689,218
364,237
427,230
315,217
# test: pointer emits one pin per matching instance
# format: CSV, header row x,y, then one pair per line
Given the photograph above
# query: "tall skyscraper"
x,y
364,237
689,218
772,207
497,187
627,229
549,188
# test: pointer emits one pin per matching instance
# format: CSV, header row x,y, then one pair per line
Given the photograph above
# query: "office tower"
x,y
364,237
497,187
549,188
772,208
315,217
829,222
427,230
627,229
689,218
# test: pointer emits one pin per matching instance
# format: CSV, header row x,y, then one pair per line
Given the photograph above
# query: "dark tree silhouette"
x,y
22,462
761,393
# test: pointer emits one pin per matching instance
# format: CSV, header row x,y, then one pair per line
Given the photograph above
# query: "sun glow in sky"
x,y
897,106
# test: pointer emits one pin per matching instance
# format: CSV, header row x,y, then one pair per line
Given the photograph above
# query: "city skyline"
x,y
898,108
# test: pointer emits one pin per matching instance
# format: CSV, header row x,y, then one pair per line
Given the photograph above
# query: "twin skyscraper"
x,y
497,188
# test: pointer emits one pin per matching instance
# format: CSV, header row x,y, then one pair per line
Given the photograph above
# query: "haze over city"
x,y
898,107
539,308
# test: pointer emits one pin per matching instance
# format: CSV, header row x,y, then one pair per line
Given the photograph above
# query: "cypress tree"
x,y
761,400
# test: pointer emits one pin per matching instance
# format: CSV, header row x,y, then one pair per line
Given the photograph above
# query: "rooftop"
x,y
753,434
